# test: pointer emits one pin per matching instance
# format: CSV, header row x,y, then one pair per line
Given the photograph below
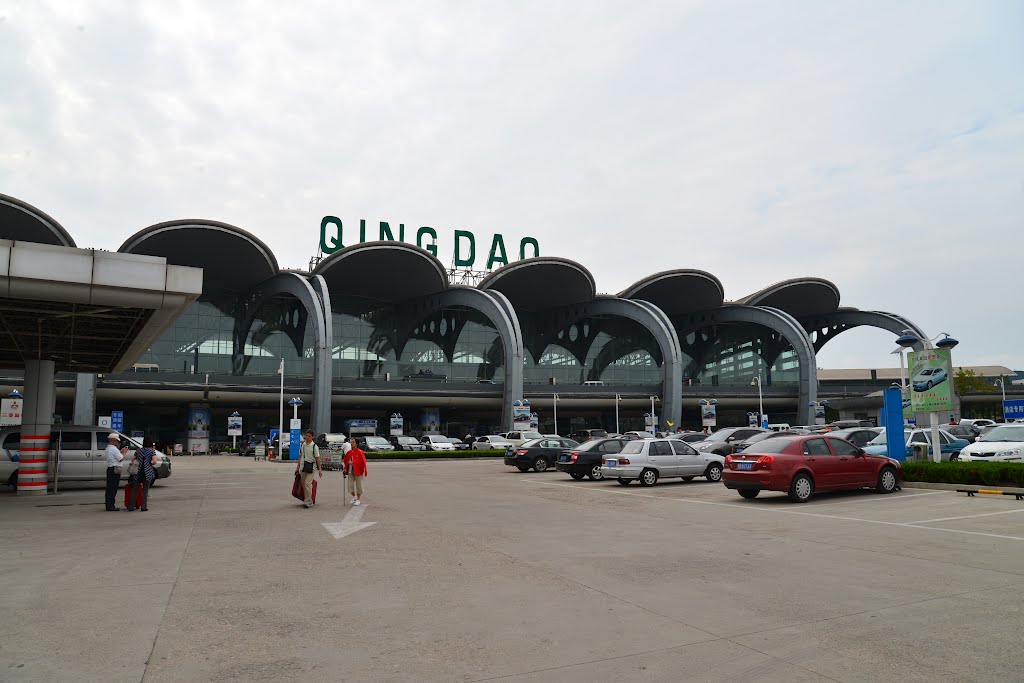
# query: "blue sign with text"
x,y
117,420
1014,409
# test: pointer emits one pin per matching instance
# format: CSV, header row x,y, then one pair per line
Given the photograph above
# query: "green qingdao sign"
x,y
931,381
464,242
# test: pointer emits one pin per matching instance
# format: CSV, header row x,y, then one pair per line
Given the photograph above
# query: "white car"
x,y
649,460
436,442
928,378
1005,443
519,438
494,442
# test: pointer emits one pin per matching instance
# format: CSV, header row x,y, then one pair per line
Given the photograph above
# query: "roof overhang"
x,y
384,272
22,221
86,310
677,292
799,297
232,259
542,282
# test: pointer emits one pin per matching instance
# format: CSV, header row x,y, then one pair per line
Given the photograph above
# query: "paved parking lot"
x,y
473,571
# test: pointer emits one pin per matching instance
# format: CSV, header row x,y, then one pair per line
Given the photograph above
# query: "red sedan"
x,y
801,465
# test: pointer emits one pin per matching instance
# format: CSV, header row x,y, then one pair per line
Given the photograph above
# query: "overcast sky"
x,y
876,144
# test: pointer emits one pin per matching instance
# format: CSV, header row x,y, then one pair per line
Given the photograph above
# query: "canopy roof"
x,y
21,221
798,297
384,272
678,291
231,258
541,282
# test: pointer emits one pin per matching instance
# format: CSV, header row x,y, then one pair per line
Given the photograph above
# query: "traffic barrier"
x,y
1019,495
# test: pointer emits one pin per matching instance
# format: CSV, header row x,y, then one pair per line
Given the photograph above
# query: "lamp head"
x,y
702,402
714,401
908,341
946,342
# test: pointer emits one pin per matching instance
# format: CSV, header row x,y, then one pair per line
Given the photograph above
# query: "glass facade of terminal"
x,y
391,343
733,355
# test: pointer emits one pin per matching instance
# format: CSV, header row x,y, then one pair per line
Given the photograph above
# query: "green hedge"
x,y
427,455
985,473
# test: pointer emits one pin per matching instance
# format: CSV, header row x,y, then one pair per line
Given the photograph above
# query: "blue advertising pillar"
x,y
892,420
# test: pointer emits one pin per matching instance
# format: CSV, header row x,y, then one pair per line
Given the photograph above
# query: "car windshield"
x,y
633,447
436,438
377,440
451,439
498,439
532,435
879,440
776,445
588,445
531,443
762,436
598,433
407,439
721,435
1007,433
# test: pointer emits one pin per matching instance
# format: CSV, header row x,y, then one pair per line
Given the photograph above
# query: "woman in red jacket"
x,y
355,470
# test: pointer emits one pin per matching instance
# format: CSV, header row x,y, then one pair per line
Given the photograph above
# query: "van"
x,y
81,453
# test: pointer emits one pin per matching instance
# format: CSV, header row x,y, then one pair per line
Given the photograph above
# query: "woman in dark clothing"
x,y
146,456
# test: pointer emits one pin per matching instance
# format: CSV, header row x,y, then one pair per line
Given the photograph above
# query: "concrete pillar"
x,y
36,423
85,399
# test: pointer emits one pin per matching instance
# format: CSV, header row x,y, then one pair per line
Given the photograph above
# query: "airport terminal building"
x,y
378,328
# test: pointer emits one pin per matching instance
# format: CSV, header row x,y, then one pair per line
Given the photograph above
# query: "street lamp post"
x,y
654,416
1002,385
554,403
280,415
617,397
760,402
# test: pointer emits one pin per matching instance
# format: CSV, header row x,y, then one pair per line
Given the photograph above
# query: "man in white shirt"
x,y
114,457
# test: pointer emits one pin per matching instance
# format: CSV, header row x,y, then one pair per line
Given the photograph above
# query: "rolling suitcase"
x,y
132,496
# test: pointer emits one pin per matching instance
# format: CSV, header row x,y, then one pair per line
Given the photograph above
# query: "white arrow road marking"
x,y
349,525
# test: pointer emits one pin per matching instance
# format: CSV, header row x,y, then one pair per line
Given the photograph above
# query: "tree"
x,y
967,381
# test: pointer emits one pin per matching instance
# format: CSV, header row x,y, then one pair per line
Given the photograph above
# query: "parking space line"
x,y
890,498
760,509
982,514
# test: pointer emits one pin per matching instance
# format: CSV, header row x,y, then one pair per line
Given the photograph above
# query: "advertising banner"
x,y
931,381
198,423
534,422
10,411
397,424
117,420
521,415
751,419
430,420
1013,410
819,415
360,427
650,422
708,416
234,426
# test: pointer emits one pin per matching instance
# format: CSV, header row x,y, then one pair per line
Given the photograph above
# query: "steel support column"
x,y
36,423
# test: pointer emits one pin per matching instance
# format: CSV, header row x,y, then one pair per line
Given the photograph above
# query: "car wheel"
x,y
624,482
802,488
928,385
522,468
540,464
749,494
595,473
714,472
886,480
954,457
648,477
577,475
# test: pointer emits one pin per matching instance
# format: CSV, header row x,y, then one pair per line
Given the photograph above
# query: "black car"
x,y
724,441
585,459
459,444
587,434
537,454
406,443
368,444
960,432
859,436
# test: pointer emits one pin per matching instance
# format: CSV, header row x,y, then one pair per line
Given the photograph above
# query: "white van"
x,y
81,451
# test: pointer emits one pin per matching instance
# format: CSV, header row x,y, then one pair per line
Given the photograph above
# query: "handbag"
x,y
307,467
133,469
117,470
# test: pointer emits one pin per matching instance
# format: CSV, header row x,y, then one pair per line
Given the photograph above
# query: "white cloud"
x,y
871,144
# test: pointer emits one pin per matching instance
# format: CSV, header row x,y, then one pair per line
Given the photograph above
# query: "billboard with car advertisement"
x,y
931,381
708,416
521,416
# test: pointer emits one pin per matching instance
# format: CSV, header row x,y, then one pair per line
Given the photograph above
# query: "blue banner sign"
x,y
117,420
1013,409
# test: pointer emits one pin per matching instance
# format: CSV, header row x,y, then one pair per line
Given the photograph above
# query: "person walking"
x,y
146,457
114,457
309,456
355,471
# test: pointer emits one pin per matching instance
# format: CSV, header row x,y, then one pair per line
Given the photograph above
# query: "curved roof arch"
x,y
680,291
232,259
409,271
21,221
541,282
799,297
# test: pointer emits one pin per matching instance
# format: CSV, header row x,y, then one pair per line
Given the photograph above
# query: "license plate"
x,y
744,465
564,458
612,463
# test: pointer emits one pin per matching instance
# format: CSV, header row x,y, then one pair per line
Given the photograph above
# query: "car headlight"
x,y
1011,453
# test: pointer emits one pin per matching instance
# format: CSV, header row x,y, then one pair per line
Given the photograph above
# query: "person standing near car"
x,y
146,457
114,456
309,455
355,471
